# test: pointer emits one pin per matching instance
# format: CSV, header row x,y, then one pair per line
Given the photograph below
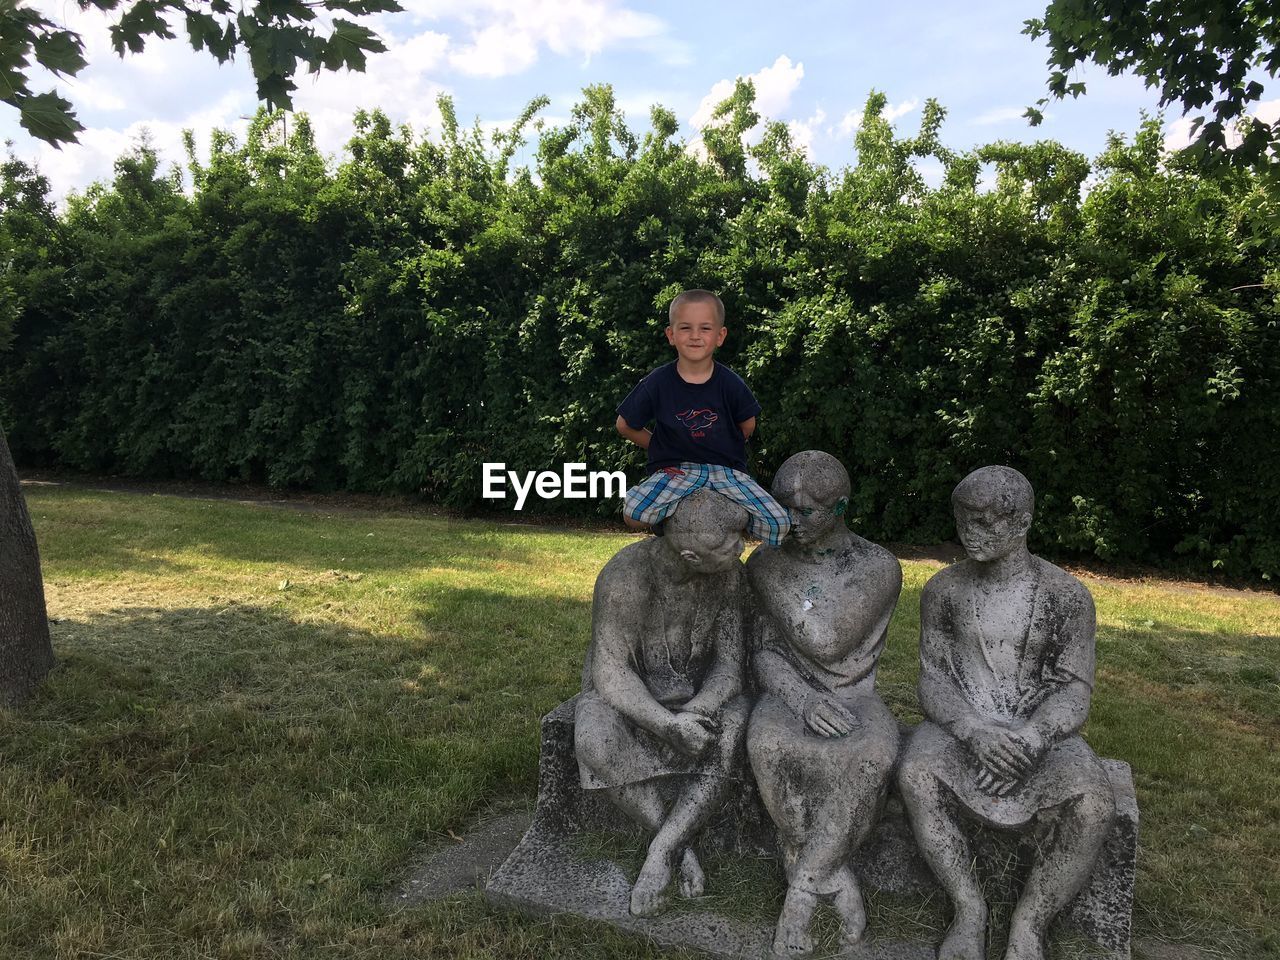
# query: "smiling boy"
x,y
703,414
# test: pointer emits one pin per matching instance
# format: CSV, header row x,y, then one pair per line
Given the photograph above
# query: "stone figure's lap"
x,y
778,737
614,752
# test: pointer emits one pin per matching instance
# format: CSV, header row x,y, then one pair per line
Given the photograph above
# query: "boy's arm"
x,y
638,409
748,427
638,437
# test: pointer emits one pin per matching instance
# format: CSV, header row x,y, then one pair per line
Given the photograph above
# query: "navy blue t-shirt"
x,y
694,422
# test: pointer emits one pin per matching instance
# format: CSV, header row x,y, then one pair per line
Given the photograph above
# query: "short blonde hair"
x,y
695,296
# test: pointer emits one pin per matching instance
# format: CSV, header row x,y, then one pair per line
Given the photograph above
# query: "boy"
x,y
703,415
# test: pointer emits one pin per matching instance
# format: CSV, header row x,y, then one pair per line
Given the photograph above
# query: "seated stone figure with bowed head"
x,y
821,742
1006,675
662,702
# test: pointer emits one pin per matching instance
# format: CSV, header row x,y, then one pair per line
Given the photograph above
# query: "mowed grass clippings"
x,y
261,715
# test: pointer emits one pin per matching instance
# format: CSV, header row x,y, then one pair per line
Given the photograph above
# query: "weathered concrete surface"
x,y
548,874
454,866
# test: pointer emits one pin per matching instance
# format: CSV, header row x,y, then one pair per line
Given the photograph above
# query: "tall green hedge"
x,y
390,321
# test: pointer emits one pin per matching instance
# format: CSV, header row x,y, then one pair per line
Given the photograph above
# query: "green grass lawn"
x,y
261,715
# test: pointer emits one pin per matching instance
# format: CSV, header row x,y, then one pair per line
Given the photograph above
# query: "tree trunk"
x,y
26,655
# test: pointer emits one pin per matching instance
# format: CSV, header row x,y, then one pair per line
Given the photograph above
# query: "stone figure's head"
x,y
993,508
814,487
705,532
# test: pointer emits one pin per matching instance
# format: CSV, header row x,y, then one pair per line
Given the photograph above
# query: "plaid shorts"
x,y
650,500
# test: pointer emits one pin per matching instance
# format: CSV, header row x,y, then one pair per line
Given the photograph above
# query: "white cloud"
x,y
506,35
76,166
802,131
640,103
774,86
1178,134
497,50
894,111
166,87
400,82
95,97
852,120
998,115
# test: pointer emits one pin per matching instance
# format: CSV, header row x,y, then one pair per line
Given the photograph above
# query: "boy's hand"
x,y
638,437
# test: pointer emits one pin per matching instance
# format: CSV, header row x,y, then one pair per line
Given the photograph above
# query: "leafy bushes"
x,y
391,322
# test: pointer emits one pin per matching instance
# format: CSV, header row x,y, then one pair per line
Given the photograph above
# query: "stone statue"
x,y
662,700
1006,674
821,742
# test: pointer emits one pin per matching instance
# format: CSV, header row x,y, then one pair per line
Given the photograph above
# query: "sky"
x,y
813,62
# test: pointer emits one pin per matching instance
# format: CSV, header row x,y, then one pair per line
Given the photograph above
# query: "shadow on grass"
x,y
195,781
143,692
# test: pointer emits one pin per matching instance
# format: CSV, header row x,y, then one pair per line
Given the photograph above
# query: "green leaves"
x,y
1196,52
204,32
347,46
48,117
23,33
392,321
275,34
60,51
140,21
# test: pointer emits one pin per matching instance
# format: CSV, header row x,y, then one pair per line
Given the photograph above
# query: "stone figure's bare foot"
x,y
692,880
1024,944
791,938
648,896
966,938
851,911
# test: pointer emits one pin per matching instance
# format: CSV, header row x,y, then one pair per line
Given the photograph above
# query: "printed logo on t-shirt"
x,y
698,421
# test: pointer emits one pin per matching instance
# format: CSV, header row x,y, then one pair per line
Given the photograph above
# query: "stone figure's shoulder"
x,y
625,576
1065,587
763,561
873,559
947,581
734,580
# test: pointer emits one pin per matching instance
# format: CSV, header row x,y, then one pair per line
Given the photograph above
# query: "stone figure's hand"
x,y
692,733
1001,753
827,717
993,783
1033,743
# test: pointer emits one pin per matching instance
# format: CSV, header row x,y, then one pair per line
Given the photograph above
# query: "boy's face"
x,y
696,332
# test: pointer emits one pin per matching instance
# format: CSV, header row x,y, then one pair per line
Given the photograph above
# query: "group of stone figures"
x,y
701,667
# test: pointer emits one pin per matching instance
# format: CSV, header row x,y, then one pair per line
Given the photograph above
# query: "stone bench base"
x,y
547,874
